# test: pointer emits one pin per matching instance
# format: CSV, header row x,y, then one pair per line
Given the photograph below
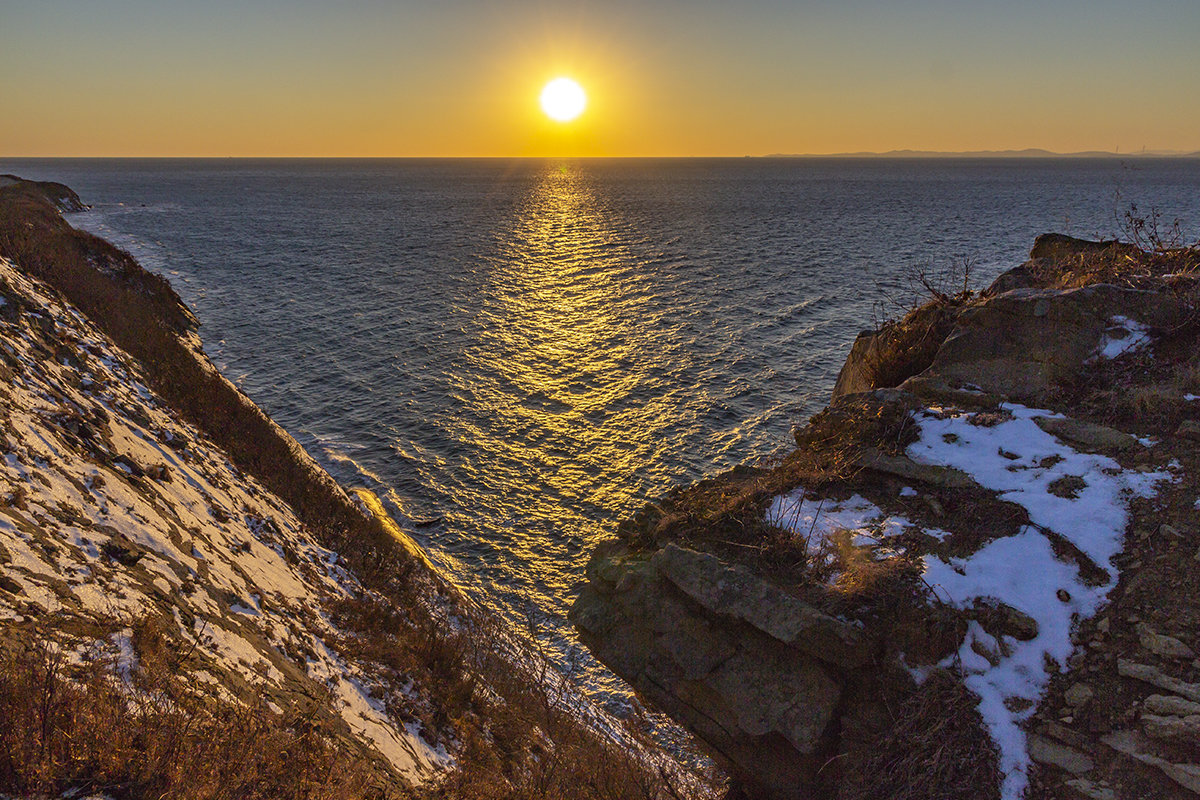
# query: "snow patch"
x,y
818,519
1080,497
1122,335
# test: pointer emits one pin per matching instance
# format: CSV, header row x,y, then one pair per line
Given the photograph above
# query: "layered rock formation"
x,y
994,521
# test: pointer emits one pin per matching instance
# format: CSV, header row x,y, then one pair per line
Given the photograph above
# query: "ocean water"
x,y
517,354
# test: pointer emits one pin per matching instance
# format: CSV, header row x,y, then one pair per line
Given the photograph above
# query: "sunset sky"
x,y
462,77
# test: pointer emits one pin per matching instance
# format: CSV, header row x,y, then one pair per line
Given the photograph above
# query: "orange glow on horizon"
x,y
370,79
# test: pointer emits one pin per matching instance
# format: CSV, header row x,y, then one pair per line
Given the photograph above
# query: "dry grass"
x,y
907,346
1072,264
151,735
935,746
1141,392
726,514
521,733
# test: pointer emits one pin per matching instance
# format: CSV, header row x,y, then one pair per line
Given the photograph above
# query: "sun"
x,y
563,99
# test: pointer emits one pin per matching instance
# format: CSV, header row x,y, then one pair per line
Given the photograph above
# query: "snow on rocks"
x,y
817,520
1055,571
112,508
1122,335
1077,497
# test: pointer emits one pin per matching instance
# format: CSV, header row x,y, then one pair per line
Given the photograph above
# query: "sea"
x,y
517,354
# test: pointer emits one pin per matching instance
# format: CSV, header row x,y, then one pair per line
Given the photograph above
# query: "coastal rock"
x,y
1052,753
684,625
1064,249
1126,743
856,376
909,470
1016,339
746,667
1091,790
1088,436
63,197
1024,342
1172,728
1160,645
736,592
1155,677
1080,694
1189,429
1172,705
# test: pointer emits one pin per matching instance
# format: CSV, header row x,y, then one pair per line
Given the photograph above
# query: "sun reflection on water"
x,y
561,345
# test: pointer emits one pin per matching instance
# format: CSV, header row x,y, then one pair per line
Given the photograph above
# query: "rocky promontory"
x,y
976,576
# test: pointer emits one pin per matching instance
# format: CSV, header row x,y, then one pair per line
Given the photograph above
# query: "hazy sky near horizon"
x,y
461,77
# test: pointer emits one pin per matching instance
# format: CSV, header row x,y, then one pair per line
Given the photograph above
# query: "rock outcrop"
x,y
757,673
1032,430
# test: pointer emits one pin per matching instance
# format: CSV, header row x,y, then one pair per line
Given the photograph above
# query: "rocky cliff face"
x,y
945,591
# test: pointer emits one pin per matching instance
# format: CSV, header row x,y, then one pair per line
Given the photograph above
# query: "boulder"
x,y
753,672
1088,436
1049,752
909,470
734,591
1024,342
1059,247
856,375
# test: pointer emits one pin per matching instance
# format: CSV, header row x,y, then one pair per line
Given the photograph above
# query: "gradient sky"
x,y
461,77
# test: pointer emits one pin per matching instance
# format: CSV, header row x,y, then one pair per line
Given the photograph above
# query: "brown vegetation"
x,y
935,746
149,734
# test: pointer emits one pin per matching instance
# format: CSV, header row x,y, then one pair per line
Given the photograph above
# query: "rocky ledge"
x,y
976,576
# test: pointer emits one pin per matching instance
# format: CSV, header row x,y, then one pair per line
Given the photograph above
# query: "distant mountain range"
x,y
1031,152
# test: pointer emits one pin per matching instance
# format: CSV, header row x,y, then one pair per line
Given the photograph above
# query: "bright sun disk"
x,y
563,99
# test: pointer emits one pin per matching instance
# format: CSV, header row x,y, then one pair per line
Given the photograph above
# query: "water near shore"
x,y
517,354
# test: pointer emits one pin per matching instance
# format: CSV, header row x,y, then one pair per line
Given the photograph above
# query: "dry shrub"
x,y
1062,262
935,747
727,514
152,736
522,731
1142,391
907,346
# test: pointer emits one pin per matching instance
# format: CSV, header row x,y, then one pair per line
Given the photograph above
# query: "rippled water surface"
x,y
518,354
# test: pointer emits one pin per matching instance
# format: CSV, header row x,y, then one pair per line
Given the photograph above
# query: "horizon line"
x,y
1029,153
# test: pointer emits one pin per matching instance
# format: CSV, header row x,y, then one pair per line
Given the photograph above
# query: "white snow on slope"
x,y
112,507
1022,462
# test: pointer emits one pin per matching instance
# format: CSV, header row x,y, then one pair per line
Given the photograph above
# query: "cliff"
x,y
974,577
191,607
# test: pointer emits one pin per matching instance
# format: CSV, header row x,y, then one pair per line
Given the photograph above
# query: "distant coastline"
x,y
1029,152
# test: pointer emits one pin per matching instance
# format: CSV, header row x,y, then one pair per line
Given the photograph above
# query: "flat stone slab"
x,y
736,592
